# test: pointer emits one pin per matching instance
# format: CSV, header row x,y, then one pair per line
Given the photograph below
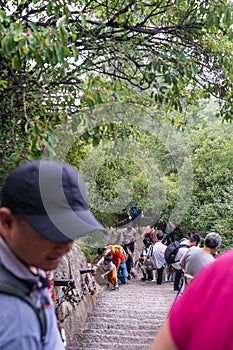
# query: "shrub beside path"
x,y
126,319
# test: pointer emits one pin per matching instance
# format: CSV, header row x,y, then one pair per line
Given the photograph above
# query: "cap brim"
x,y
66,226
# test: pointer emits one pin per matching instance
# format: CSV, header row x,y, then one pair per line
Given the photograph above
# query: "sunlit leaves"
x,y
212,197
61,56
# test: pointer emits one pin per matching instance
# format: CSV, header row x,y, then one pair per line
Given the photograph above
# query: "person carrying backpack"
x,y
130,233
43,209
134,211
118,259
185,244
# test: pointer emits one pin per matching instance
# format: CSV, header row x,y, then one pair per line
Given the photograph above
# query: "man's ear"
x,y
6,218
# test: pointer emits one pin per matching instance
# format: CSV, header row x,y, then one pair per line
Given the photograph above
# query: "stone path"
x,y
127,319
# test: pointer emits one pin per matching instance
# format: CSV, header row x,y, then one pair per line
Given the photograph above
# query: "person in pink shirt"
x,y
202,318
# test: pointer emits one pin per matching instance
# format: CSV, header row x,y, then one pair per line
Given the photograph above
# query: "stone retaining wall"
x,y
81,300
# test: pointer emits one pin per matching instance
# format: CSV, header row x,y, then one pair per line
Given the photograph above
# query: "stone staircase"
x,y
126,319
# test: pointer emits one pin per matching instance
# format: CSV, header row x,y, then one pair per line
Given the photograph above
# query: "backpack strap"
x,y
150,251
10,289
181,246
184,246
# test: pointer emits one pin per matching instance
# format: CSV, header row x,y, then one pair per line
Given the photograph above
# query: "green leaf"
x,y
16,63
8,44
33,26
83,19
14,157
48,54
63,33
38,58
38,146
60,53
194,68
210,20
49,8
227,17
95,141
3,16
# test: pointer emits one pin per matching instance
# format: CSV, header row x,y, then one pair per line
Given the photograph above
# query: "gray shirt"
x,y
19,325
181,252
194,260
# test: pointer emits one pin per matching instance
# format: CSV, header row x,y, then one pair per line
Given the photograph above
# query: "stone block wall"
x,y
80,301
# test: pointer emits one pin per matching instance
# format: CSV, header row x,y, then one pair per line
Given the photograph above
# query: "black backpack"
x,y
172,250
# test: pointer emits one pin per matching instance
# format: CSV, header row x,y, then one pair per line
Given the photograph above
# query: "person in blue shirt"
x,y
44,208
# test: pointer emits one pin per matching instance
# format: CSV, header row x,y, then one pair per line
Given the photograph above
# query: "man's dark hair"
x,y
101,251
160,236
108,257
195,238
147,242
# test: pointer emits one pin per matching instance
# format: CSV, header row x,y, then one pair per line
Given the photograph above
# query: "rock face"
x,y
73,308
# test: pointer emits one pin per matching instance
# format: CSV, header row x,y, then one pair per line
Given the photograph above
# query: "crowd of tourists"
x,y
120,263
44,208
201,277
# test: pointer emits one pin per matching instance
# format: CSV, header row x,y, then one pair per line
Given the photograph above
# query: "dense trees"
x,y
61,59
48,49
184,174
212,199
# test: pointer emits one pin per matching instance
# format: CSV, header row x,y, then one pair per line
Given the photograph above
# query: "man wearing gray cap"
x,y
195,257
44,208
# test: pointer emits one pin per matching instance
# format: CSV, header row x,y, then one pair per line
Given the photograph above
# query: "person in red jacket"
x,y
118,260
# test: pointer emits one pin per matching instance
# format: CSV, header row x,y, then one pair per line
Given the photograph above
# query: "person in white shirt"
x,y
158,256
109,270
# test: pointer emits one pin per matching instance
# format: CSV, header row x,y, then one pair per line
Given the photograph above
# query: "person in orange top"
x,y
118,260
109,270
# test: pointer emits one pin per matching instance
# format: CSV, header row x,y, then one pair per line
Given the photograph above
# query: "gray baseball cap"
x,y
51,196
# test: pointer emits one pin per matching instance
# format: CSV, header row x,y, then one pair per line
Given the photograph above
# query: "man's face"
x,y
30,247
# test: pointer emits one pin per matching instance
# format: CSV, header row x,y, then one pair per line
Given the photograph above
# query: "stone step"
x,y
106,324
147,331
116,338
127,319
114,346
